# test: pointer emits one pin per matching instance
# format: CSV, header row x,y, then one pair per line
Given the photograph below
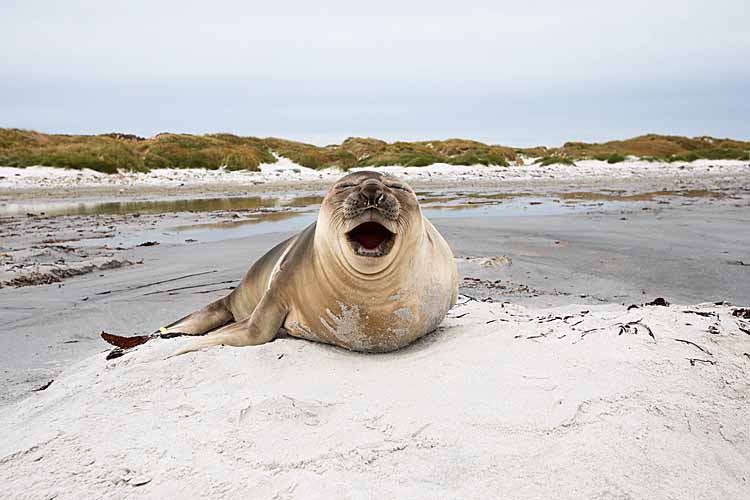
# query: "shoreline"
x,y
51,236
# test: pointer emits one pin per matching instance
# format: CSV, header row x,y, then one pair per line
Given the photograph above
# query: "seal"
x,y
372,274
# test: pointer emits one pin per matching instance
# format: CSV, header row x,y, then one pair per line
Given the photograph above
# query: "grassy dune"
x,y
661,147
110,152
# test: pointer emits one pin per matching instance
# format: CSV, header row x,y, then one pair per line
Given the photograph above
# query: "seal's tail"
x,y
125,342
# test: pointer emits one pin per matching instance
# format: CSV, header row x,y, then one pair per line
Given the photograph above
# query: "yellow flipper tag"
x,y
163,330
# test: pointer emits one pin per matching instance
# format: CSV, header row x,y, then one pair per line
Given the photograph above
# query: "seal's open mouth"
x,y
371,239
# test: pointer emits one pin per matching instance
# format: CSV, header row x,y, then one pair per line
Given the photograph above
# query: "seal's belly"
x,y
372,324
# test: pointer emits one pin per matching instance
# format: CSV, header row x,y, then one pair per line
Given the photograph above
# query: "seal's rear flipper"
x,y
125,342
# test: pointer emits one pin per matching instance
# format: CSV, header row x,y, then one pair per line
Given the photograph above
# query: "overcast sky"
x,y
517,73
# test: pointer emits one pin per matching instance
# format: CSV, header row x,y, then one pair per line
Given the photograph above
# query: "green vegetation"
x,y
660,148
535,152
369,152
111,152
206,151
102,153
551,160
116,151
311,156
712,154
616,158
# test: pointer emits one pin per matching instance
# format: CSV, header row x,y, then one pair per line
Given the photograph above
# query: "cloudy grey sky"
x,y
519,73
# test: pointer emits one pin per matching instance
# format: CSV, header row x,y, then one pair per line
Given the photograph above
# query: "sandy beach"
x,y
534,285
543,382
567,402
285,175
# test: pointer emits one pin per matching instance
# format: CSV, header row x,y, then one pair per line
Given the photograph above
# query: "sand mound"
x,y
503,401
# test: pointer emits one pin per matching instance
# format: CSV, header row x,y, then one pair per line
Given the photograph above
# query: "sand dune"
x,y
503,401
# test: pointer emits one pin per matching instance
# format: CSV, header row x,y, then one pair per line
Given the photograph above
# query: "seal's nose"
x,y
372,192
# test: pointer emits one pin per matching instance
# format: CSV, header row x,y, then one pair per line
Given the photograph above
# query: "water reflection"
x,y
255,219
649,196
449,200
234,204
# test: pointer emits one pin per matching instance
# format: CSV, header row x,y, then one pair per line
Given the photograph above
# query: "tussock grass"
x,y
311,156
205,151
100,153
535,152
552,160
712,154
614,158
112,152
116,151
660,148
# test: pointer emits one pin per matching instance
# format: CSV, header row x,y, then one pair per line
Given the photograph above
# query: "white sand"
x,y
287,171
527,406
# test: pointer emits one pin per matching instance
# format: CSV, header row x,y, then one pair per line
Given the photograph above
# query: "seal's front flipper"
x,y
259,328
200,322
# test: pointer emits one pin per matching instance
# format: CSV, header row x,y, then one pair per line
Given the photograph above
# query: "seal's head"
x,y
371,217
